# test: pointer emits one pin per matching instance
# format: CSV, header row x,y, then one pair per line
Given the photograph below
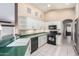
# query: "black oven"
x,y
51,37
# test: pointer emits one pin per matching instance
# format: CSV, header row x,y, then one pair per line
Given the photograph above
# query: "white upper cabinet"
x,y
29,17
22,23
34,23
29,23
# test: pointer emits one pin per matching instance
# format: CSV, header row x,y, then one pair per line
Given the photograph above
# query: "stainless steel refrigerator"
x,y
77,35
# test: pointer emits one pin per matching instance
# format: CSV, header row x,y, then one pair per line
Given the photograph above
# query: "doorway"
x,y
68,30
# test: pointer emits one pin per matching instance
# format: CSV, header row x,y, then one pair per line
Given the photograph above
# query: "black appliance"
x,y
51,27
34,44
68,33
76,32
51,37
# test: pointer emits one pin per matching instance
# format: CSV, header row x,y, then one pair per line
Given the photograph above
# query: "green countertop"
x,y
13,51
17,50
28,35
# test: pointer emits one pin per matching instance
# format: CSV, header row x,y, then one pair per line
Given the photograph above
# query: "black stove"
x,y
51,37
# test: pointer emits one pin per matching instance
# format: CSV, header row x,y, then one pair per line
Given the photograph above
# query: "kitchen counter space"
x,y
16,46
32,35
19,42
24,39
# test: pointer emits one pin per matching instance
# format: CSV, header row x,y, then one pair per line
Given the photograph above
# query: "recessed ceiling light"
x,y
49,5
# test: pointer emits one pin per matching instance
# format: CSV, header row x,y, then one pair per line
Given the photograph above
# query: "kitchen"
x,y
25,27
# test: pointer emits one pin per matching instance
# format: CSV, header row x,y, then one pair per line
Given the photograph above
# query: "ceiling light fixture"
x,y
49,5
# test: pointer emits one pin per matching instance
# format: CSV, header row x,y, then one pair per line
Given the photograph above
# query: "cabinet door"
x,y
20,51
21,11
30,23
39,41
22,22
42,40
45,38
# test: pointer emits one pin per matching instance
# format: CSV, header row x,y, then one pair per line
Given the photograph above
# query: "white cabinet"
x,y
26,23
59,39
42,40
29,23
36,23
22,23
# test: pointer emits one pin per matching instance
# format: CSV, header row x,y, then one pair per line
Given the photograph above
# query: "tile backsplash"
x,y
31,31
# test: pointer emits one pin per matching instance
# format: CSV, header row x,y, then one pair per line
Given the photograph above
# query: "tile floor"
x,y
65,49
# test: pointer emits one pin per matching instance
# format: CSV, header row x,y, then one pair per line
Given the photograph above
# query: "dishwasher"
x,y
34,44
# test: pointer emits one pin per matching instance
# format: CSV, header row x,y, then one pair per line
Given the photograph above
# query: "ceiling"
x,y
53,6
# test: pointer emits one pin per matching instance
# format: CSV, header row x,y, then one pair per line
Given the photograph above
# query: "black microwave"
x,y
52,27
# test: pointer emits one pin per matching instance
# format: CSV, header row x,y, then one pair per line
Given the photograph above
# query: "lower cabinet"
x,y
28,50
7,51
20,51
42,40
34,43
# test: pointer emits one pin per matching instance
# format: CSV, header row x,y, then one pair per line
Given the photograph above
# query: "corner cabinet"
x,y
42,40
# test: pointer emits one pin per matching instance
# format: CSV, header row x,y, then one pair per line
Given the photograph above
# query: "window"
x,y
29,10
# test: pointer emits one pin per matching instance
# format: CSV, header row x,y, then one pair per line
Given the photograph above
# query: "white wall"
x,y
7,11
60,14
77,10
